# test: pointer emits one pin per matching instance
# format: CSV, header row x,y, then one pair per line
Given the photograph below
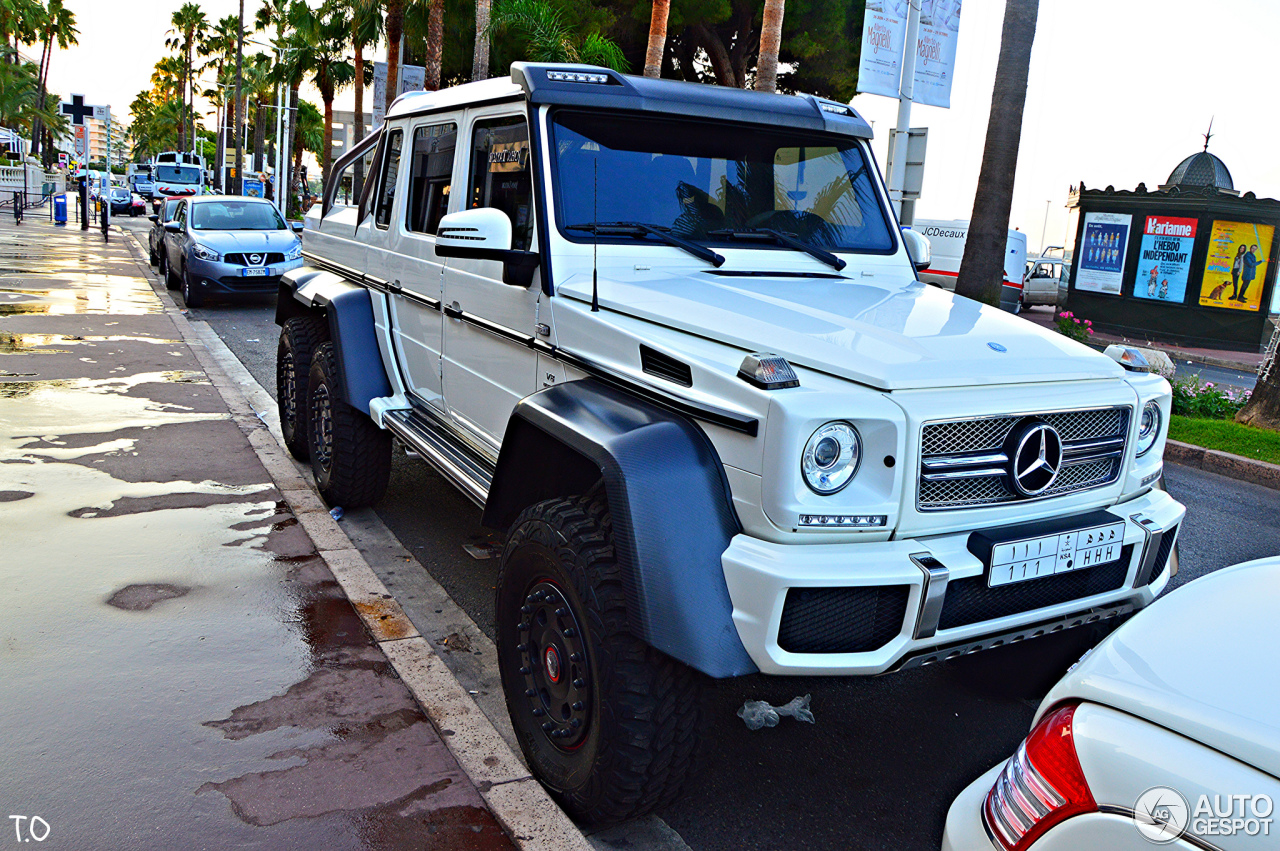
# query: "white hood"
x,y
890,336
1201,662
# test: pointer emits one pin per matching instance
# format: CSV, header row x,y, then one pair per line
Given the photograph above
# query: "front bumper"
x,y
894,595
227,278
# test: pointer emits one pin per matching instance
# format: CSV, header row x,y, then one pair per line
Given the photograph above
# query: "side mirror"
x,y
485,234
297,226
918,249
154,218
173,227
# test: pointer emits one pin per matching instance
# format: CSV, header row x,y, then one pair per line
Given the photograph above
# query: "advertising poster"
x,y
884,26
936,51
1164,263
1236,265
1100,263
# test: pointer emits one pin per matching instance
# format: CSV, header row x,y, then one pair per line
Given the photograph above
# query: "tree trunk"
x,y
1263,408
238,184
720,63
435,46
657,38
982,268
480,59
294,143
395,28
770,41
357,180
326,95
259,136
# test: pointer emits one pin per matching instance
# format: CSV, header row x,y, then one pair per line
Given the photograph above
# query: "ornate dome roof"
x,y
1201,169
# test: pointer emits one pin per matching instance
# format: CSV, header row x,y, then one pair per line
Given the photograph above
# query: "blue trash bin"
x,y
60,209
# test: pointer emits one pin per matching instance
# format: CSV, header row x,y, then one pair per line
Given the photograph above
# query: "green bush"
x,y
1193,398
1070,325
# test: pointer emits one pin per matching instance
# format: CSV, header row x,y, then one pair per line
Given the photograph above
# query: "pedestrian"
x,y
1250,264
1237,266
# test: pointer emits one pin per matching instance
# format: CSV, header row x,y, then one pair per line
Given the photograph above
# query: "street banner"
x,y
82,141
412,78
1100,262
1236,265
936,52
884,27
1164,262
883,34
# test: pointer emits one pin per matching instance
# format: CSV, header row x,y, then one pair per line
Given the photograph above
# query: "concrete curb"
x,y
1223,463
519,803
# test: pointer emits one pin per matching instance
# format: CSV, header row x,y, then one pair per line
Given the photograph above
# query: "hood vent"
x,y
665,366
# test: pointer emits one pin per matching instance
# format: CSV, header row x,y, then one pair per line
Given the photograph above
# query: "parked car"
x,y
1166,732
137,204
947,239
722,426
228,245
165,208
121,200
1040,284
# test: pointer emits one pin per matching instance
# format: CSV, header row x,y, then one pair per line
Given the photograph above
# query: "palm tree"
x,y
20,22
395,29
325,34
275,13
310,135
770,40
982,266
189,28
480,58
220,46
260,88
366,29
657,38
57,27
435,46
548,37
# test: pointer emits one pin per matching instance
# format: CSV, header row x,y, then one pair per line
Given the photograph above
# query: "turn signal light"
x,y
768,371
1041,785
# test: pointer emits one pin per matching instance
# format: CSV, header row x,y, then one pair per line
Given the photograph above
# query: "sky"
x,y
1119,93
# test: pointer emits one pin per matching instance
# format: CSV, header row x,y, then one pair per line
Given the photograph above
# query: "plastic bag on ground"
x,y
758,713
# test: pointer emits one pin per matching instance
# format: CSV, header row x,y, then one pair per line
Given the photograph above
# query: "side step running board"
x,y
472,474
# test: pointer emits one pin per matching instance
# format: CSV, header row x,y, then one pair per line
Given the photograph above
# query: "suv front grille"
x,y
971,454
264,258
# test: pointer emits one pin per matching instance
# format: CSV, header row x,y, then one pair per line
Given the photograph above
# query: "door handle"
x,y
394,287
454,311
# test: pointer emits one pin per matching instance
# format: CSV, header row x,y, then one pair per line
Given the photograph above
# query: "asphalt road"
x,y
886,756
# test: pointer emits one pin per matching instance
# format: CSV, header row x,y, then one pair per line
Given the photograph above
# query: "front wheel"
x,y
191,295
171,281
298,340
610,725
350,455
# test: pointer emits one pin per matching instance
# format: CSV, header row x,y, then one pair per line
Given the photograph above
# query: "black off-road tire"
x,y
617,735
191,294
298,340
350,456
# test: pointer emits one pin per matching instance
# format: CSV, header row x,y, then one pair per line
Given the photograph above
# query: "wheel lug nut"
x,y
575,657
525,670
538,711
579,682
575,723
548,726
524,627
529,692
578,706
522,648
524,610
561,612
570,632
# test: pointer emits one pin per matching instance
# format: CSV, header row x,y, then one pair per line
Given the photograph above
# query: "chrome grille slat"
x,y
1094,441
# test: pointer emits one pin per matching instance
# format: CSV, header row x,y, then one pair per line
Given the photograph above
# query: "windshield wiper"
x,y
780,238
640,228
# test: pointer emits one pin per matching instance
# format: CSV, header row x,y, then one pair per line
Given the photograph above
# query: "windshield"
x,y
178,173
235,215
706,181
122,194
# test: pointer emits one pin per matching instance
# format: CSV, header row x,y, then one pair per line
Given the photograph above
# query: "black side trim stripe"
x,y
659,396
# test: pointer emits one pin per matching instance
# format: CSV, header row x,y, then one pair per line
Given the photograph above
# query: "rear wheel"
x,y
170,280
191,294
351,457
609,724
298,340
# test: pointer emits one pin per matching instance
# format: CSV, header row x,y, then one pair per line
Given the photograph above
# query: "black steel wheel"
x,y
350,455
191,294
607,723
298,340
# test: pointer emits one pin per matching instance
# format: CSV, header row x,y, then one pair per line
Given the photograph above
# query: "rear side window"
x,y
430,176
390,174
500,174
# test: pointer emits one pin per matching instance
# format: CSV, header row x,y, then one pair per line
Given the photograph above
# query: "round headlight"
x,y
831,458
1148,427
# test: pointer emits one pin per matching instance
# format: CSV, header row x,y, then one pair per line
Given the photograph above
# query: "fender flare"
x,y
669,499
348,308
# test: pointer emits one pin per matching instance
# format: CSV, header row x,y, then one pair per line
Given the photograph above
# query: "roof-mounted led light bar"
x,y
576,77
835,108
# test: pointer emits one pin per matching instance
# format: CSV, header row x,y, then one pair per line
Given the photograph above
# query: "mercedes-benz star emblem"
x,y
1035,457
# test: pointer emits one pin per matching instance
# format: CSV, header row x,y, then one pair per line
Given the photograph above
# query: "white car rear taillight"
x,y
1041,785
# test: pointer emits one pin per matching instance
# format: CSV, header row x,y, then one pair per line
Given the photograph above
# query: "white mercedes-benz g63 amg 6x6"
x,y
670,338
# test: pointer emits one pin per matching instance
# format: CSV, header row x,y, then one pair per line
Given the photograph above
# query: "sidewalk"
x,y
180,667
1247,361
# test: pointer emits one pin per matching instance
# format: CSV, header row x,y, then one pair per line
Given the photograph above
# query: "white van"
x,y
947,238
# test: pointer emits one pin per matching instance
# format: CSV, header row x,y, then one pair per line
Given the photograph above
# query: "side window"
x,y
500,174
180,216
390,174
431,171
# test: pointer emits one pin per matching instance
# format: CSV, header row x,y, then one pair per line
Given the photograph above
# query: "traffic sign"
x,y
82,141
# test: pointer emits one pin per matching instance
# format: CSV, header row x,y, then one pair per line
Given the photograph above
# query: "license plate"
x,y
258,272
1032,558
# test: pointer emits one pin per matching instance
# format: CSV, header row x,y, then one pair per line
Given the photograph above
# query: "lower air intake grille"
x,y
842,620
1162,554
970,600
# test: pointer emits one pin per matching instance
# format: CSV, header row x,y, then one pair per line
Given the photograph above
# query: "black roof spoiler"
x,y
604,88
